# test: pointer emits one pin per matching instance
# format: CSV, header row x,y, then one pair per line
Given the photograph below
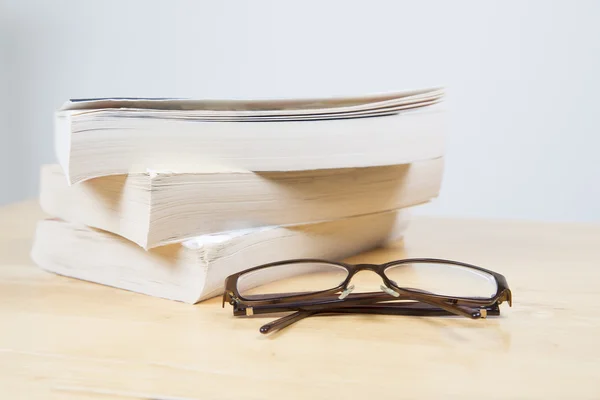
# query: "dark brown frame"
x,y
411,301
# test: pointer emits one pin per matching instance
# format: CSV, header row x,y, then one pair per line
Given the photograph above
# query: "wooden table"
x,y
66,339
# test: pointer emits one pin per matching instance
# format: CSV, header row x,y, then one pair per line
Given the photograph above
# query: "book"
x,y
155,208
100,137
195,269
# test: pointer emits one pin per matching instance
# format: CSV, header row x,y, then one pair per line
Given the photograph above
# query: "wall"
x,y
522,80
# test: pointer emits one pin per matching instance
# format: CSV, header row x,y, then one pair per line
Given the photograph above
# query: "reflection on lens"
x,y
290,279
443,279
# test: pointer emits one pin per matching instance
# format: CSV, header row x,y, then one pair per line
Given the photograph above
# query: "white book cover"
x,y
154,208
99,137
195,269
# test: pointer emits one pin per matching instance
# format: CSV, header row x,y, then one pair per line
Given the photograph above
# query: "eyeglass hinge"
x,y
229,298
234,301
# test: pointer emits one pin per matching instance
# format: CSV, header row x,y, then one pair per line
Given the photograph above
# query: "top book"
x,y
108,136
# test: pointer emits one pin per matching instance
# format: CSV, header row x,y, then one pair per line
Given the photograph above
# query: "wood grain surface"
x,y
66,339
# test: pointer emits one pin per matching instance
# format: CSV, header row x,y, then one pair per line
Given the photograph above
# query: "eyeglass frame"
x,y
295,302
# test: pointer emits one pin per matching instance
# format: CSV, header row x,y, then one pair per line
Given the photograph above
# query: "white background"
x,y
522,78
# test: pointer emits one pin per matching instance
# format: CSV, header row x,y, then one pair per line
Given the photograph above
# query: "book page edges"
x,y
200,272
62,142
100,257
330,240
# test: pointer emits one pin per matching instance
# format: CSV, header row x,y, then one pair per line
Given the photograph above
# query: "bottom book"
x,y
195,270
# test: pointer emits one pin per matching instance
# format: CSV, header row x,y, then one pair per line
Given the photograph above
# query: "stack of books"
x,y
167,197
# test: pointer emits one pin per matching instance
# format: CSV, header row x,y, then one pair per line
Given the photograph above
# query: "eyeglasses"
x,y
418,287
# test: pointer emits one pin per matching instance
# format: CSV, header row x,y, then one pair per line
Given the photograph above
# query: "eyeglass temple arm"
x,y
282,322
332,302
415,309
419,308
458,309
316,305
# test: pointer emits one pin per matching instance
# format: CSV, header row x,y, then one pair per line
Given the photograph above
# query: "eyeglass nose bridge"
x,y
376,269
363,267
